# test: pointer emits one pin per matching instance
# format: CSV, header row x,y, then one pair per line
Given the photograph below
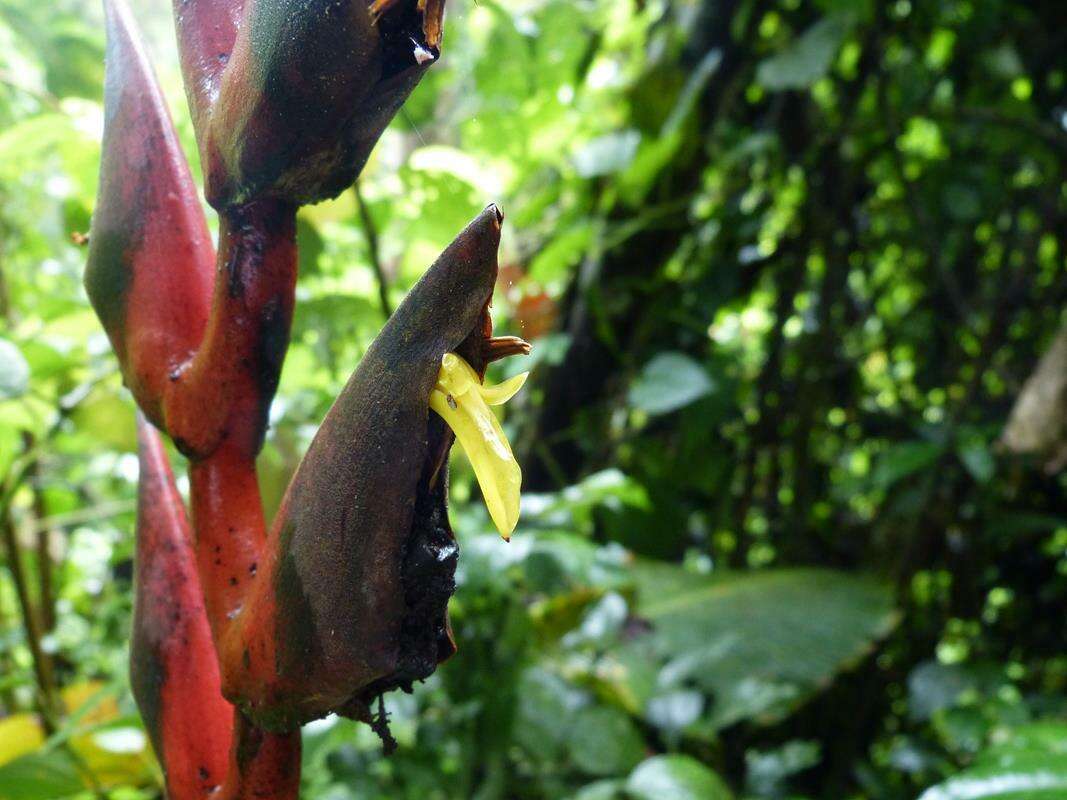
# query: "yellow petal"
x,y
479,434
501,393
456,376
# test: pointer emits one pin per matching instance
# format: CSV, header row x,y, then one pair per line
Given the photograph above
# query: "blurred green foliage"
x,y
785,264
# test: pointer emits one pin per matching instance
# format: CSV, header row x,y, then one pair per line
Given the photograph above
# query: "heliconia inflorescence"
x,y
244,631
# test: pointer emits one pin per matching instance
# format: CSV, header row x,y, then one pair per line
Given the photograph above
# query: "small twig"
x,y
83,515
371,234
7,665
43,534
19,472
42,664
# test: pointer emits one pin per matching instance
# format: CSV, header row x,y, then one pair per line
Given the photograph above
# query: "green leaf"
x,y
14,371
601,790
108,416
675,710
933,686
310,246
691,92
808,57
40,776
1029,776
563,252
74,64
904,459
668,382
759,643
978,459
604,741
1030,765
656,154
547,706
675,778
766,772
573,507
1048,736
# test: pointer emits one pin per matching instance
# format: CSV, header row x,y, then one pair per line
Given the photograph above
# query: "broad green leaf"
x,y
40,776
1030,765
547,706
759,643
668,382
14,371
603,741
807,58
601,790
675,777
1030,776
1048,736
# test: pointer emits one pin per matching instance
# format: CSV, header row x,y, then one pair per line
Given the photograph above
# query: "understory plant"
x,y
243,631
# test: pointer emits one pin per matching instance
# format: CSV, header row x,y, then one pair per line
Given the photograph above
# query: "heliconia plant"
x,y
243,631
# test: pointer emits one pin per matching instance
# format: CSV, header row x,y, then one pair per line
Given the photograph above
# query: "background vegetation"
x,y
786,266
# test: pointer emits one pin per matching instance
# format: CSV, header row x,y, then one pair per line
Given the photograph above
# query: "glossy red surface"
x,y
151,262
174,672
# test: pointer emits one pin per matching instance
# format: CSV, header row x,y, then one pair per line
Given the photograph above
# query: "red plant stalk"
x,y
240,637
174,675
173,671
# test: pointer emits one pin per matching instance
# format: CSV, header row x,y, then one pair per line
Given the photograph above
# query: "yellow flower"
x,y
463,402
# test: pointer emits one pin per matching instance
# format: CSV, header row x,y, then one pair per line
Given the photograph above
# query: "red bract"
x,y
151,263
174,673
206,33
347,597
